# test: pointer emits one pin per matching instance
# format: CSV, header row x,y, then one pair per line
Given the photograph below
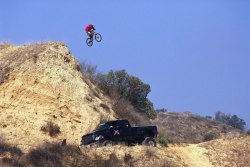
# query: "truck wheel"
x,y
107,143
92,145
149,141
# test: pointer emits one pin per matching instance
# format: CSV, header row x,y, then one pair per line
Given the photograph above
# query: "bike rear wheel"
x,y
89,42
98,37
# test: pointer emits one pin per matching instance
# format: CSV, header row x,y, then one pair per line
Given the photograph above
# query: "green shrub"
x,y
165,141
151,114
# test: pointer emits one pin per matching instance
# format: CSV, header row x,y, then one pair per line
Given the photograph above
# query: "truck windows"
x,y
114,125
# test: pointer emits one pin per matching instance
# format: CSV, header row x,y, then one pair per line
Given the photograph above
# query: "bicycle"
x,y
95,36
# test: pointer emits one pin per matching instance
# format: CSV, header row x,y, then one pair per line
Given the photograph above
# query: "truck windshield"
x,y
103,126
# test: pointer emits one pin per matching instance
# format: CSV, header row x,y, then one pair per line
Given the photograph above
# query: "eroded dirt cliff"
x,y
42,83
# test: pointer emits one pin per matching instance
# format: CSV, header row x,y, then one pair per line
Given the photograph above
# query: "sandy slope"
x,y
192,155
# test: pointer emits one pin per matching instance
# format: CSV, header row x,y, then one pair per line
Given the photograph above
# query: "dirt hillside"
x,y
41,83
227,152
185,127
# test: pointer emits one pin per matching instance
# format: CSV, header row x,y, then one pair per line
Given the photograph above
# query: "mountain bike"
x,y
95,36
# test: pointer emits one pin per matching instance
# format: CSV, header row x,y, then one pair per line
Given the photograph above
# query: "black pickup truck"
x,y
120,131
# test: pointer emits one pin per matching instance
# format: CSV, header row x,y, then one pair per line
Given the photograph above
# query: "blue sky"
x,y
194,54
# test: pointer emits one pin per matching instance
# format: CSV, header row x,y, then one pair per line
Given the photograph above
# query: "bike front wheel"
x,y
89,42
98,37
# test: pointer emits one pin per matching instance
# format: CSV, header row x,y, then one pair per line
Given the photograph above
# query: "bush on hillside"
x,y
56,155
89,70
151,114
208,137
127,159
4,73
52,129
164,142
5,45
12,154
125,110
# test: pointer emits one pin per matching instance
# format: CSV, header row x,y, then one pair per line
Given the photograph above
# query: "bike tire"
x,y
89,42
98,37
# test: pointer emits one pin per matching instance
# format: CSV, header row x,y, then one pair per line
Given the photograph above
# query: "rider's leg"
x,y
90,34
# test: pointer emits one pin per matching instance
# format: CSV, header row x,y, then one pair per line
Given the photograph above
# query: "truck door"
x,y
120,130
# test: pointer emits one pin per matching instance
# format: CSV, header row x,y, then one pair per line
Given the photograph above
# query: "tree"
x,y
237,122
126,86
137,94
222,117
233,121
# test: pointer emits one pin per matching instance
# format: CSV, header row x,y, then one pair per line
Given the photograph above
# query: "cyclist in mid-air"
x,y
90,30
